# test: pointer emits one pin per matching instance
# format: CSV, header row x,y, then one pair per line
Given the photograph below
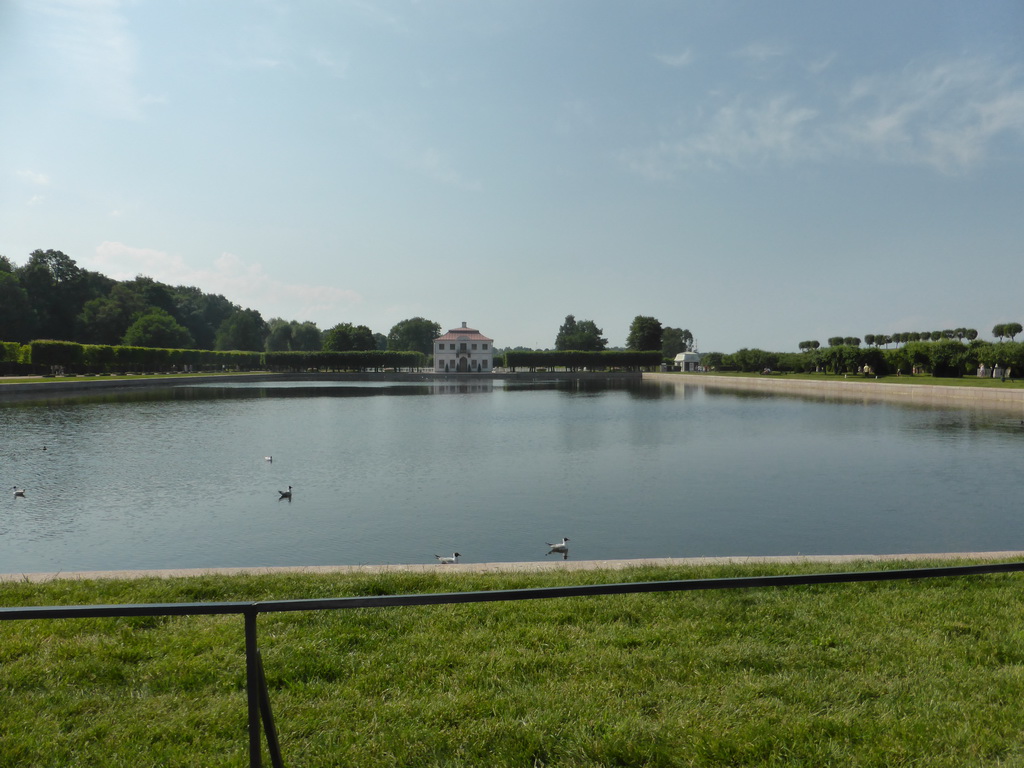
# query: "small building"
x,y
687,361
463,350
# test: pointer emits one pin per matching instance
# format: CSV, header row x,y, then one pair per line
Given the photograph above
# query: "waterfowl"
x,y
268,458
286,494
448,560
562,547
19,491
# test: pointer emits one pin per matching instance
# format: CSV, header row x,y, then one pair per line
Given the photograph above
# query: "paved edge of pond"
x,y
515,567
889,389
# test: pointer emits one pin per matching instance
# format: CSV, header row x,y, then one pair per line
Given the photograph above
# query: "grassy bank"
x,y
118,377
894,674
964,381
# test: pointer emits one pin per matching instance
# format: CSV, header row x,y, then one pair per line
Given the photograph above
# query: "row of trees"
x,y
1000,331
944,357
51,297
75,358
592,360
645,334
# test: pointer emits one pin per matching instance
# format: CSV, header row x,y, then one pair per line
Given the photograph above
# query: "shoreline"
x,y
853,389
505,567
13,388
862,390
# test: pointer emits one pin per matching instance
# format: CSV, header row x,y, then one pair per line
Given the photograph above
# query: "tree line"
x,y
645,334
944,357
51,297
72,358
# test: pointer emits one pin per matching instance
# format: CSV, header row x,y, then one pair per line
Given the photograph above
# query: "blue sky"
x,y
759,173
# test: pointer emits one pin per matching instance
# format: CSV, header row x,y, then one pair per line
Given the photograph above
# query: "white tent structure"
x,y
687,361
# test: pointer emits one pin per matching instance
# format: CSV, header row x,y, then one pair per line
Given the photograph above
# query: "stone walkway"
x,y
540,565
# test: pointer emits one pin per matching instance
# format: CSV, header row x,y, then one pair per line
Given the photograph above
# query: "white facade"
x,y
687,361
463,350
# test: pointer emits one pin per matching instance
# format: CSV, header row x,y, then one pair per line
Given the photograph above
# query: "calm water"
x,y
396,473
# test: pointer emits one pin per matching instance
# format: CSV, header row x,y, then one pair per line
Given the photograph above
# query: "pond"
x,y
396,473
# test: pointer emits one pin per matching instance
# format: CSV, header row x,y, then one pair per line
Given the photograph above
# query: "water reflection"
x,y
386,472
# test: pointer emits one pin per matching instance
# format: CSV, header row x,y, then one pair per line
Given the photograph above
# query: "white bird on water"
x,y
268,458
286,494
562,547
448,560
18,491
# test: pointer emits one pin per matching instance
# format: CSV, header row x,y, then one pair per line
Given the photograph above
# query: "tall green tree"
x,y
582,335
105,320
674,341
202,313
306,337
416,334
243,330
157,328
346,337
644,334
17,315
58,289
279,335
292,336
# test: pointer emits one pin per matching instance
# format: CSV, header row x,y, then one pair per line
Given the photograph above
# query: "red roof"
x,y
465,333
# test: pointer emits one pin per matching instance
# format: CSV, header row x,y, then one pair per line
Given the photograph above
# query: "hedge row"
x,y
41,356
575,360
342,361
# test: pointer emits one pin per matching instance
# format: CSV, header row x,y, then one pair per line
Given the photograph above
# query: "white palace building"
x,y
463,350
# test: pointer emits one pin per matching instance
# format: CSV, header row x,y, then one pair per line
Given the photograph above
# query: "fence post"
x,y
269,728
252,687
259,698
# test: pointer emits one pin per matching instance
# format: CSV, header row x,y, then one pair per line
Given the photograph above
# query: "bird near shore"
x,y
562,547
448,560
18,491
286,494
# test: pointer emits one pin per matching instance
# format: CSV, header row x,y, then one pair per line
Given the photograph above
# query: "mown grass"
x,y
876,674
117,377
964,381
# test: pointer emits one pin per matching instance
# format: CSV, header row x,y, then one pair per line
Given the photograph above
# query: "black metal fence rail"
x,y
258,697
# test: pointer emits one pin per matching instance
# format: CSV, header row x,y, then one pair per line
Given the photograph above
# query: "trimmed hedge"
x,y
342,361
574,360
43,355
10,352
104,358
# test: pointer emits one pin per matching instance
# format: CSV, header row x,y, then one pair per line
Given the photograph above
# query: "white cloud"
x,y
33,177
818,66
331,64
763,51
676,60
241,282
948,117
737,134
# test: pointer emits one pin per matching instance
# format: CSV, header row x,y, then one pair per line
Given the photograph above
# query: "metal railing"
x,y
261,719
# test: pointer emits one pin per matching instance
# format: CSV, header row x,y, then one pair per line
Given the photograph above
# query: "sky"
x,y
757,173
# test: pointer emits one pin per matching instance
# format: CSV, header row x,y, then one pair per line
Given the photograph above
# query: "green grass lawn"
x,y
117,377
925,673
965,381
